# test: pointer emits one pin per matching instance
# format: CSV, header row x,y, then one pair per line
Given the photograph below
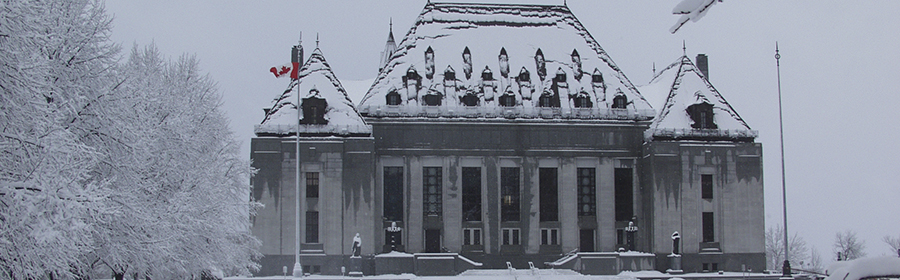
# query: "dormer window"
x,y
470,100
314,109
583,100
548,99
524,75
597,77
449,74
487,75
560,76
393,98
619,101
508,99
432,100
702,116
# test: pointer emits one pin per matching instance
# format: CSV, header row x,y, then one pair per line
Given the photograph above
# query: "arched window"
x,y
392,98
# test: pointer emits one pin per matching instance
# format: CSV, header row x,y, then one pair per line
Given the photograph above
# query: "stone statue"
x,y
630,230
357,246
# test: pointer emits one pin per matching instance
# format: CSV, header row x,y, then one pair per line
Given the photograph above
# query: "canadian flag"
x,y
283,70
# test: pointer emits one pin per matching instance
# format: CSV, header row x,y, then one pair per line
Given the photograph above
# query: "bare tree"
x,y
775,248
847,247
815,261
893,242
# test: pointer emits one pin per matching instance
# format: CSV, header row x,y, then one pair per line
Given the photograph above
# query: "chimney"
x,y
703,65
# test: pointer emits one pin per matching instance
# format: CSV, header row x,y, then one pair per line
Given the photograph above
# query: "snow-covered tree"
x,y
847,246
55,59
181,192
129,166
775,248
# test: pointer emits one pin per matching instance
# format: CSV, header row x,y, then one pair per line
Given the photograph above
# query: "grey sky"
x,y
840,79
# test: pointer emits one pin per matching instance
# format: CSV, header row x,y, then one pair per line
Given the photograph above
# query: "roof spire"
x,y
300,40
654,68
683,48
317,40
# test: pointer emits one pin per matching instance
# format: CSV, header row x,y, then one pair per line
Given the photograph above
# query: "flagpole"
x,y
298,268
786,269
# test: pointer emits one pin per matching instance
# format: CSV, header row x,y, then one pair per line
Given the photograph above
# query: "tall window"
x,y
624,195
393,193
549,194
708,227
312,184
471,193
587,192
706,183
312,227
509,194
431,184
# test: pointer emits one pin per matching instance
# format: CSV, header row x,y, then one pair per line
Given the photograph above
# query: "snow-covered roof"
x,y
316,80
446,32
677,87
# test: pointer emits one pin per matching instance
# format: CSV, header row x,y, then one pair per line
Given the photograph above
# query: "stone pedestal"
x,y
298,270
674,264
355,267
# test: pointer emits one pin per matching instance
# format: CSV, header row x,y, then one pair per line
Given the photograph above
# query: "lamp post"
x,y
786,269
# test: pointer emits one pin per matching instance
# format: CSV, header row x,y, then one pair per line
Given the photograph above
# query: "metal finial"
x,y
317,40
300,40
683,48
654,68
777,55
392,23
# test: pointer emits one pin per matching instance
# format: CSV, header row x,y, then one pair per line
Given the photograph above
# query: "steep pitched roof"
x,y
684,85
484,29
342,116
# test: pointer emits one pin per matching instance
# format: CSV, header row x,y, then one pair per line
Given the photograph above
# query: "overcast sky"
x,y
839,70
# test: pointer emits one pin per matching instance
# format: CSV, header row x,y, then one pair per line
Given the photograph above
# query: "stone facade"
x,y
458,171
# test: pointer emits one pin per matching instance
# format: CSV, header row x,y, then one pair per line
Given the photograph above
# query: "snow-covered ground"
x,y
541,274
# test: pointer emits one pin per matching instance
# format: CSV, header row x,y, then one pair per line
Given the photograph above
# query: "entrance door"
x,y
432,241
587,240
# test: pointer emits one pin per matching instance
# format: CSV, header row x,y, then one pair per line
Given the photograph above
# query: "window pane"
x,y
549,193
587,192
432,190
471,200
312,184
312,227
393,193
624,195
509,194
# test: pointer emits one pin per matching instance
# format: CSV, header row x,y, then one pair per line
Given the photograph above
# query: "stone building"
x,y
498,134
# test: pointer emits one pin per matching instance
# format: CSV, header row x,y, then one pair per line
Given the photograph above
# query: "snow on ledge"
x,y
394,254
